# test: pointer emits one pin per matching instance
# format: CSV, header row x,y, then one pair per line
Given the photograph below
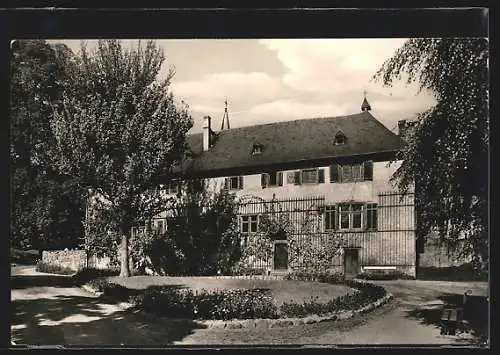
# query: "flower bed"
x,y
366,294
172,301
224,305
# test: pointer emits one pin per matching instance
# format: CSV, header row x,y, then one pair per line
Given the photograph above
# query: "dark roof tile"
x,y
292,141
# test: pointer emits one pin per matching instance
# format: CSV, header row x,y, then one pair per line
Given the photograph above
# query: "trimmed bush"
x,y
87,274
53,269
331,278
226,304
248,271
366,294
384,275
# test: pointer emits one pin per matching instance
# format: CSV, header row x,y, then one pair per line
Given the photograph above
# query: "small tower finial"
x,y
225,117
365,106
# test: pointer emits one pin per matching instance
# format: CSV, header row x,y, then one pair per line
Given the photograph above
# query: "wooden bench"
x,y
452,318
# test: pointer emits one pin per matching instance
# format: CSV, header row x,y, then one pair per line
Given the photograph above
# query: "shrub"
x,y
366,294
87,274
24,257
249,271
42,266
226,304
382,275
332,278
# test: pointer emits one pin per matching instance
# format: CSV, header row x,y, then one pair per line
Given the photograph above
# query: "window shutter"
x,y
226,183
280,178
336,218
321,176
240,185
334,173
297,177
368,168
263,180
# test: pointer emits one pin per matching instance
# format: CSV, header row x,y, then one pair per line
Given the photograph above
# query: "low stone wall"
x,y
72,259
75,259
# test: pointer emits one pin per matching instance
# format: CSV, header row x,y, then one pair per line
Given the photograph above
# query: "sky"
x,y
271,80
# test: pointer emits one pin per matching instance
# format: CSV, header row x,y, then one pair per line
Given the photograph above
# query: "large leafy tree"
x,y
446,151
119,132
46,209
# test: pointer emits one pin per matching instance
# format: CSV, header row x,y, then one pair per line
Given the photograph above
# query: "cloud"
x,y
292,109
332,65
256,85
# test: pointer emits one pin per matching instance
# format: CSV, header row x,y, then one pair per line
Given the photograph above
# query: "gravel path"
x,y
48,309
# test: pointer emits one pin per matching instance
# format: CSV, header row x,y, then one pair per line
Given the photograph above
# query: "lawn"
x,y
281,290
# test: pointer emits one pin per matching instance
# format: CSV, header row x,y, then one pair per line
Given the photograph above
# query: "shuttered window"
x,y
271,179
234,183
351,172
297,178
310,176
334,173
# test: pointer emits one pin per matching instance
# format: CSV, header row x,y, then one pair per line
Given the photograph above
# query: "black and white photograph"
x,y
249,191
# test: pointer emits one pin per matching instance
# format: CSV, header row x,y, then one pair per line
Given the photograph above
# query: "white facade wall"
x,y
362,191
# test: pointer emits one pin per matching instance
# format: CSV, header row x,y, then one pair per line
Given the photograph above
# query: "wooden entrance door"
x,y
280,256
351,262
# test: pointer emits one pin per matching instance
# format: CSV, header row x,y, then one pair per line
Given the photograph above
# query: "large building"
x,y
334,172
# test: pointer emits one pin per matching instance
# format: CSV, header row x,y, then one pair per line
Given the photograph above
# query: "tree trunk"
x,y
124,259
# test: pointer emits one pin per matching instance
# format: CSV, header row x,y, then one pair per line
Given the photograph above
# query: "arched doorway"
x,y
280,259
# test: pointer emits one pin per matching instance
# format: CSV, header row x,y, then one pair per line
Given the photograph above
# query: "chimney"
x,y
206,133
402,128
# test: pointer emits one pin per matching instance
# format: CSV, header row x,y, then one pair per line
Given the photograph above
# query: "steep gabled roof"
x,y
291,142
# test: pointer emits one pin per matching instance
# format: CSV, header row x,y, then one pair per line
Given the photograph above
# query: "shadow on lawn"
x,y
27,281
76,320
475,312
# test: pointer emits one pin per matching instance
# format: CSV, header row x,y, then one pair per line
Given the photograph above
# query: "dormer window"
x,y
340,138
257,149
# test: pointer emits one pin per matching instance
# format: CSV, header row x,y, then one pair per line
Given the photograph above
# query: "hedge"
x,y
42,266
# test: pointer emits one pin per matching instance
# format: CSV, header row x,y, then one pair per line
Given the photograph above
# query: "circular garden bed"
x,y
282,291
211,298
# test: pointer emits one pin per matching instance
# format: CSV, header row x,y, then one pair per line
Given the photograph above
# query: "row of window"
x,y
341,217
338,173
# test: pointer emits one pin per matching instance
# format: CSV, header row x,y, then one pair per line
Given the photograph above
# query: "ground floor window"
x,y
249,223
371,216
330,212
351,216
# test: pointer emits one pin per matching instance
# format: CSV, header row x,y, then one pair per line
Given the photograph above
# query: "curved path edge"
x,y
264,323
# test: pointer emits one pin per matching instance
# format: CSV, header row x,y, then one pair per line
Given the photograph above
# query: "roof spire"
x,y
365,106
225,117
